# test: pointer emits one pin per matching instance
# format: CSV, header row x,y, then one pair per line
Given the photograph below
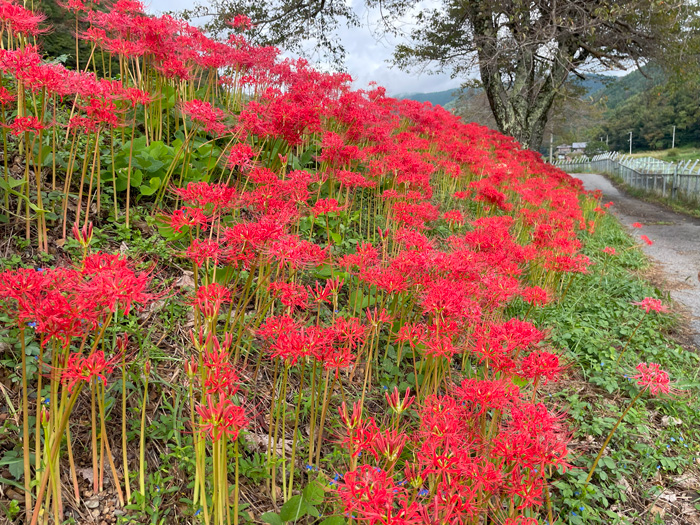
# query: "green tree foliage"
x,y
655,105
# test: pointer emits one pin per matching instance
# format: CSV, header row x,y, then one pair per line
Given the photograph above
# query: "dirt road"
x,y
676,246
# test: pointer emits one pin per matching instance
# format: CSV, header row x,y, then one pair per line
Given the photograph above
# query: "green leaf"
x,y
272,518
5,481
150,189
293,509
313,493
15,464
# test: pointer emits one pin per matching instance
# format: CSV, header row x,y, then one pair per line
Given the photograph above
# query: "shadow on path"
x,y
676,246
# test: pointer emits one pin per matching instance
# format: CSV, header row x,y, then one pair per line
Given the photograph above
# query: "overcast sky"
x,y
366,56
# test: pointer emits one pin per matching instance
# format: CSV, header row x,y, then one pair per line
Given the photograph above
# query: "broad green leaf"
x,y
293,509
272,518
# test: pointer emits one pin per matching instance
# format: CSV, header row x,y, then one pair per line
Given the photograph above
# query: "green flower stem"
x,y
610,435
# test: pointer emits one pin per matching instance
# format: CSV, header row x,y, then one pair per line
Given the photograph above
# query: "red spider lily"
x,y
16,19
542,365
324,206
23,125
209,299
371,496
649,304
377,317
647,240
187,218
210,197
241,155
650,377
290,294
536,295
349,332
110,281
399,406
200,252
637,225
388,444
83,235
454,216
205,115
350,420
241,22
86,369
221,417
609,250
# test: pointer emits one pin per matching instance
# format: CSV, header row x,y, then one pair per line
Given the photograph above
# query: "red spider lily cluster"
x,y
650,377
340,240
649,304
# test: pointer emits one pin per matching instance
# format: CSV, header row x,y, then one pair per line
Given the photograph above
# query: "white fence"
x,y
669,179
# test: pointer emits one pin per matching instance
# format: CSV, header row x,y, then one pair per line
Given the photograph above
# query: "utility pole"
x,y
673,140
551,146
630,143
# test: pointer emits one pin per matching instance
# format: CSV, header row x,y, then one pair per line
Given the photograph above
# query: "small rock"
x,y
668,496
13,494
119,512
658,511
686,482
95,513
625,485
668,421
92,503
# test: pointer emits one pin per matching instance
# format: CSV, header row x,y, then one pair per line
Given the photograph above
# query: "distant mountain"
x,y
442,98
591,85
619,91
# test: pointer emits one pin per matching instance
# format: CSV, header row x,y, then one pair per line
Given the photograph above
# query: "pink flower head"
x,y
609,250
647,240
637,225
652,378
649,304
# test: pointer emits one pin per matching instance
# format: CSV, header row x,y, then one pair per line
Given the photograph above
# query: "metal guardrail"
x,y
667,179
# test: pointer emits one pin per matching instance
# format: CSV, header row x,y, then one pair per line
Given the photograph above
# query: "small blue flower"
x,y
32,324
39,269
199,510
673,439
423,492
582,509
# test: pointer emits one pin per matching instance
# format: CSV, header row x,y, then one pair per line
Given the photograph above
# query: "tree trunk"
x,y
521,109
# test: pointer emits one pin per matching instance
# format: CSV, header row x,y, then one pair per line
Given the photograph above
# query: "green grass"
x,y
672,155
591,325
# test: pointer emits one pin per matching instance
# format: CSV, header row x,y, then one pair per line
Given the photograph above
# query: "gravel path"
x,y
676,246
